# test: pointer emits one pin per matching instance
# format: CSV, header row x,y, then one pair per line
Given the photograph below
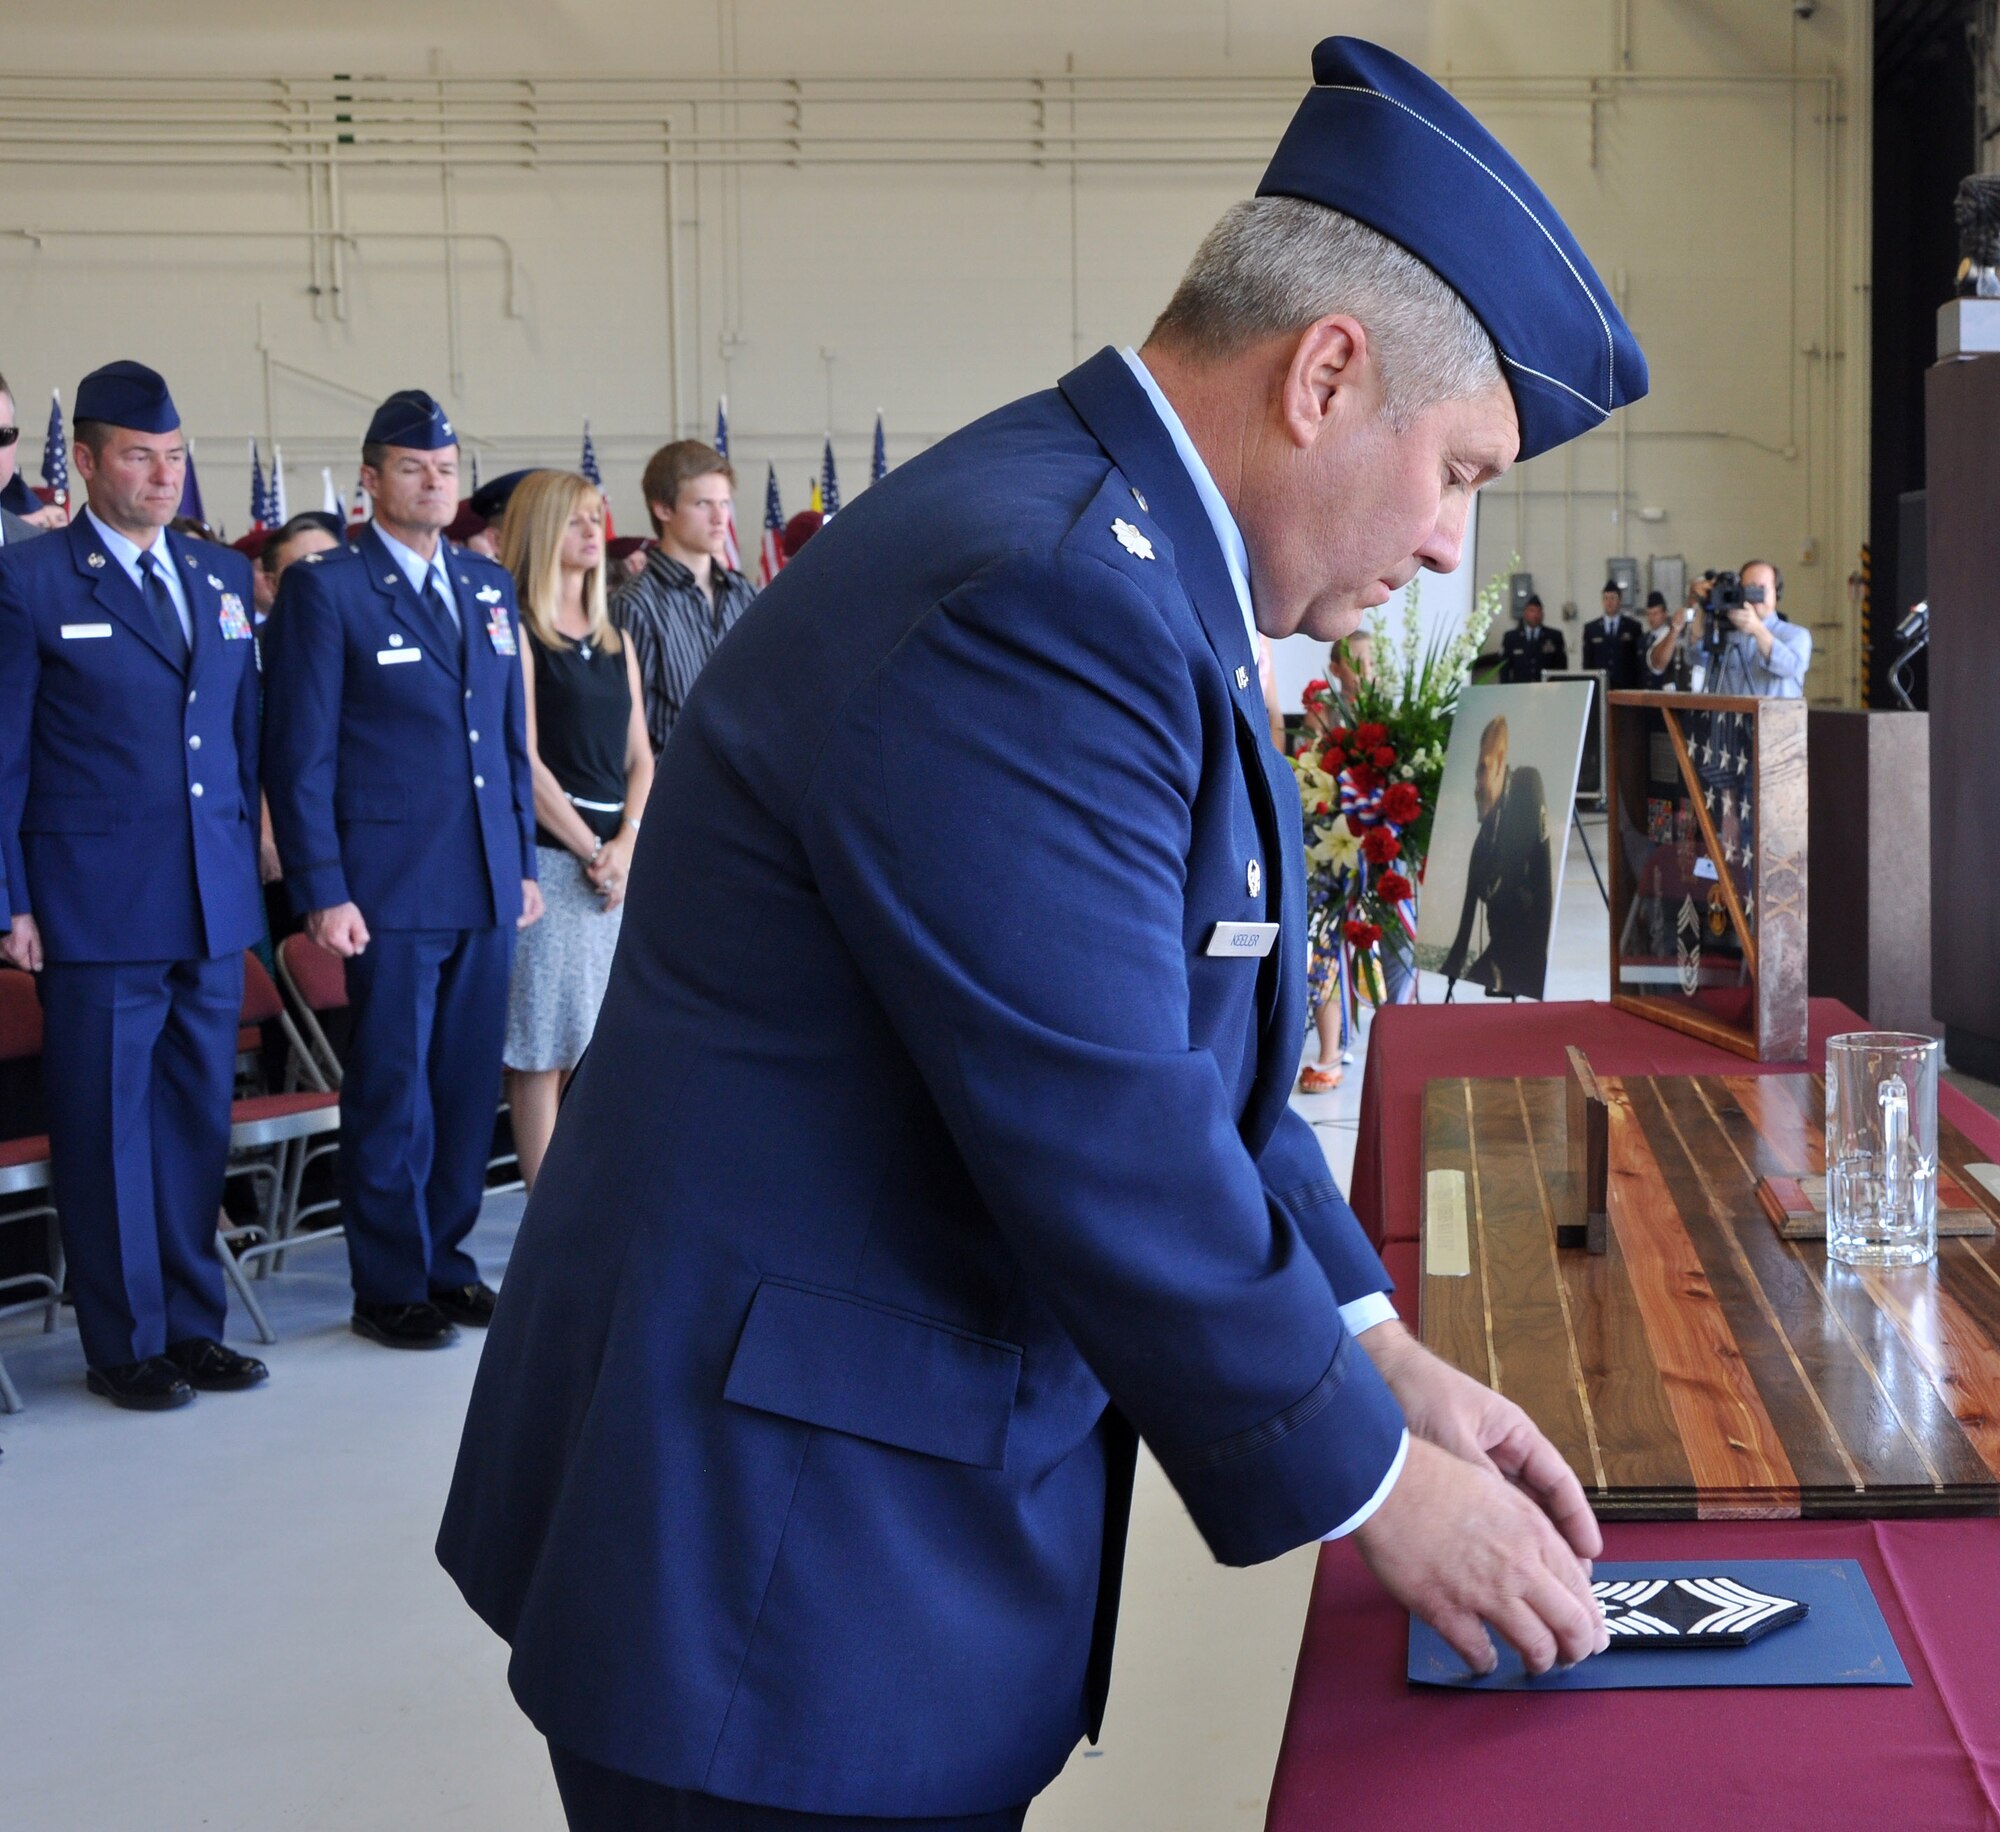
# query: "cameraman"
x,y
1749,648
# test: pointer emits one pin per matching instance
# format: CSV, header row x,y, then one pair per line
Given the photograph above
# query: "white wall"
x,y
922,207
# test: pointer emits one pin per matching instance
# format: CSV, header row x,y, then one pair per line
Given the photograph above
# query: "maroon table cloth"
x,y
1364,1748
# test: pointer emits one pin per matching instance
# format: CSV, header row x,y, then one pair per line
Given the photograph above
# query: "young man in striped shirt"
x,y
687,599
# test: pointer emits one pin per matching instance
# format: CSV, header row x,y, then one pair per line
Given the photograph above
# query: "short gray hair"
x,y
1278,264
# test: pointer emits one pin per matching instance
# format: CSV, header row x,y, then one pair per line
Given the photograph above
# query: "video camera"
x,y
1726,592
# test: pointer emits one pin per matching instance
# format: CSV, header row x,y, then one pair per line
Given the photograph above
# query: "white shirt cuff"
x,y
1361,1514
1365,1313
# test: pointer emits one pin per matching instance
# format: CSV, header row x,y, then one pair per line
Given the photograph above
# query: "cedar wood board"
x,y
1702,1367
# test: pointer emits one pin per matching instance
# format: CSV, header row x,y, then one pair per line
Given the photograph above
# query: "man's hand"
x,y
1745,617
270,868
531,904
340,930
1472,1422
49,515
22,944
1457,1546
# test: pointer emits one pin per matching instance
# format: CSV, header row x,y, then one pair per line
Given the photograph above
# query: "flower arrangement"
x,y
1368,774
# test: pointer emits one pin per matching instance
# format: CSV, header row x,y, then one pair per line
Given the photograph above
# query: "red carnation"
x,y
1339,735
1362,780
1362,934
1320,808
1401,803
1333,758
1312,689
1356,825
1368,736
1385,757
1379,846
1393,887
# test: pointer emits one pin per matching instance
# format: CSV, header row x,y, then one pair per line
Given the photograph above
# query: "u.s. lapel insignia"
x,y
215,584
94,560
1243,677
1131,539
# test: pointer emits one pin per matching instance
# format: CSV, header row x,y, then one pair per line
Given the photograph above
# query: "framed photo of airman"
x,y
1708,867
1497,846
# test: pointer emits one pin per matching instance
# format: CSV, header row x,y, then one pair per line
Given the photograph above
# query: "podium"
x,y
1962,448
1868,904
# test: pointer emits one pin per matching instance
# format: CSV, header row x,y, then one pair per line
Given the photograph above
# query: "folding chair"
x,y
315,982
283,1124
24,1170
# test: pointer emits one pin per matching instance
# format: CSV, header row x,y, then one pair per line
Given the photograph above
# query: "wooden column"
x,y
1962,455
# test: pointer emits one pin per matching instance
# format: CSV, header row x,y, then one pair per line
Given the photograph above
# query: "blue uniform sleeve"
x,y
304,670
1297,1179
20,683
249,714
519,763
999,822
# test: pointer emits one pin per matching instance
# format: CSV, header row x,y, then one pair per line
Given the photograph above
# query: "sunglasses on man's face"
x,y
8,434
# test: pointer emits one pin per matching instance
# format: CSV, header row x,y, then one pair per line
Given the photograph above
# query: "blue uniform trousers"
x,y
138,1065
598,1799
417,1099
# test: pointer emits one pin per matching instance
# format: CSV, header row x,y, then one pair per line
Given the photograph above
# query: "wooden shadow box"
x,y
1707,810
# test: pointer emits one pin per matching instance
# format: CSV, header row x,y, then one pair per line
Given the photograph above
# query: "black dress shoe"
x,y
154,1385
404,1326
469,1304
210,1368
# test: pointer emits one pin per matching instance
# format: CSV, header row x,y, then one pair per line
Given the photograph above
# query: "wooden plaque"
x,y
1708,867
1702,1366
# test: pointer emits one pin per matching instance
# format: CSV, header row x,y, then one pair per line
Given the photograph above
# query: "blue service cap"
x,y
1376,139
130,395
410,418
489,501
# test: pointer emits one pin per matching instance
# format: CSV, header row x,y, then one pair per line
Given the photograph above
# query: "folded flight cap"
x,y
1376,139
411,419
130,395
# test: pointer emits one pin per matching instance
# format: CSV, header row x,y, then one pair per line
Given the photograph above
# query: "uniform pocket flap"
x,y
364,804
69,814
828,1358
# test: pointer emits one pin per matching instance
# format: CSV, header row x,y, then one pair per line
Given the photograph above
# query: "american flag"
x,y
275,496
358,508
771,549
260,504
878,467
329,502
829,484
55,450
732,556
588,463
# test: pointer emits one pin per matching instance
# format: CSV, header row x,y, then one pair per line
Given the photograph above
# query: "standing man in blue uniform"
x,y
396,761
128,824
934,1146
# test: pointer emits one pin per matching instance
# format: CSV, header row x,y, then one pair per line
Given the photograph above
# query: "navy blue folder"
x,y
1842,1641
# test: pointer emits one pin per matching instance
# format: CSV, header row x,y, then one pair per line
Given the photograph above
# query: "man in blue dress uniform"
x,y
933,1146
396,762
128,821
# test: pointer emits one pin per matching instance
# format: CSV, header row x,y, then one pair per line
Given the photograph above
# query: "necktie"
x,y
441,607
160,602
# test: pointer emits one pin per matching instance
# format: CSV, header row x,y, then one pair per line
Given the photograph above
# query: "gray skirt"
x,y
561,965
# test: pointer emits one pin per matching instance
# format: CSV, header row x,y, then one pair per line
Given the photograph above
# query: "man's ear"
x,y
1329,360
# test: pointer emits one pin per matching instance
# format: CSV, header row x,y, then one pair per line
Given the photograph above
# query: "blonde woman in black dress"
x,y
593,766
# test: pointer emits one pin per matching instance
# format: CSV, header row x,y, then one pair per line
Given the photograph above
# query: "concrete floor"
x,y
229,1617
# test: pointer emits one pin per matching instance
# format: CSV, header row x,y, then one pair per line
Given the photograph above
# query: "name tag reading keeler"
x,y
1247,940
